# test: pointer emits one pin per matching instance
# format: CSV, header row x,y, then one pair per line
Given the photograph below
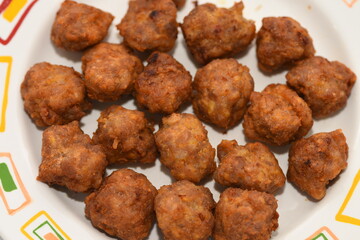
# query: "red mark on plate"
x,y
6,4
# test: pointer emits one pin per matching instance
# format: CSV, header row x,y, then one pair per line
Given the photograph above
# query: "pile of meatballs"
x,y
125,204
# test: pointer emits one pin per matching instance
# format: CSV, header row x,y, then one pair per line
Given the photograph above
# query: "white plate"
x,y
334,26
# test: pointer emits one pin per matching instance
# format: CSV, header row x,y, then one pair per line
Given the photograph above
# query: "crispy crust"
x,y
69,159
110,71
252,167
123,206
184,147
244,215
277,116
226,33
221,92
315,161
324,85
54,94
184,211
150,25
280,42
78,26
164,85
125,135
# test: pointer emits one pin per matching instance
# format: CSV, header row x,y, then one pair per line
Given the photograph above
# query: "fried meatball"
x,y
164,85
277,116
123,206
150,25
126,136
280,42
221,92
54,94
69,159
252,167
185,148
324,85
184,211
179,3
211,32
110,71
244,215
78,26
315,161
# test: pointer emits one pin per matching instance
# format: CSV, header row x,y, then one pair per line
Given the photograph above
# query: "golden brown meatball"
x,y
164,85
54,94
123,206
179,3
184,147
69,159
211,32
324,85
281,41
110,71
315,161
125,135
245,215
78,26
277,116
221,92
252,167
184,211
150,25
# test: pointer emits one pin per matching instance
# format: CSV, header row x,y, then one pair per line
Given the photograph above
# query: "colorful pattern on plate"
x,y
43,227
349,210
13,13
323,233
5,70
12,190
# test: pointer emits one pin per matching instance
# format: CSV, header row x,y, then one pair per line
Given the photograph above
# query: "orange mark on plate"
x,y
50,236
321,232
350,3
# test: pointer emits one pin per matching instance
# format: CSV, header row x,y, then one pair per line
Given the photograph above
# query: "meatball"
x,y
315,161
78,26
179,3
244,215
54,94
123,206
110,71
184,211
211,32
280,42
252,167
324,85
184,147
164,85
150,25
125,135
221,92
277,116
69,159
